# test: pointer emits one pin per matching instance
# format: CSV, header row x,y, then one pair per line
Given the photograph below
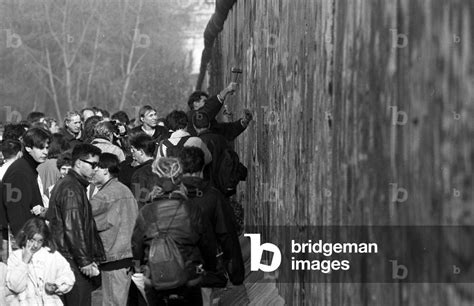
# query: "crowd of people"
x,y
141,208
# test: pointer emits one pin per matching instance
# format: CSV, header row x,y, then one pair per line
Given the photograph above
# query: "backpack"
x,y
171,149
230,171
166,263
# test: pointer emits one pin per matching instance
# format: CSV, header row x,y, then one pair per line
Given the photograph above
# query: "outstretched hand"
x,y
230,89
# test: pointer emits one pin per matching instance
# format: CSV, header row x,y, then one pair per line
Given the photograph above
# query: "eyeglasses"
x,y
93,164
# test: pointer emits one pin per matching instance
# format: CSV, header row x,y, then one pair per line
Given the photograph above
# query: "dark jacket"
x,y
21,191
142,182
216,144
70,138
185,229
161,132
212,106
72,225
217,210
126,172
230,130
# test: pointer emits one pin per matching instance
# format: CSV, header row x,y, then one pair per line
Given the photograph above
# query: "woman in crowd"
x,y
37,274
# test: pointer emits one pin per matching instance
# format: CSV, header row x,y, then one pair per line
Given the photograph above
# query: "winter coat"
x,y
216,144
70,138
21,191
217,210
160,132
184,229
71,222
115,211
126,172
142,182
27,280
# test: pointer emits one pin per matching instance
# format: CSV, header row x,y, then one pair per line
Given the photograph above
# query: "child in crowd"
x,y
36,273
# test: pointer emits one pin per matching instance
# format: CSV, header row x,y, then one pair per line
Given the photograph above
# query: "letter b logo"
x,y
256,250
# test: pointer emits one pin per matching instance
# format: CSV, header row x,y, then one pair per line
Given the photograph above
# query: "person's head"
x,y
35,117
14,131
58,145
89,127
97,111
177,120
36,231
105,114
133,123
52,125
107,168
72,122
192,159
197,100
85,158
64,162
36,142
147,116
201,121
142,147
11,149
122,117
87,113
169,171
104,130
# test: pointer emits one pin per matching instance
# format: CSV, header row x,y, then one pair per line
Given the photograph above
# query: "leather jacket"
x,y
72,225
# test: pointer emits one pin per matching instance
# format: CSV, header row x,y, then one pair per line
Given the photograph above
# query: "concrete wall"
x,y
325,80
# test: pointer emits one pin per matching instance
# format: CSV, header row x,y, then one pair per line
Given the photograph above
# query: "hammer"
x,y
236,72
